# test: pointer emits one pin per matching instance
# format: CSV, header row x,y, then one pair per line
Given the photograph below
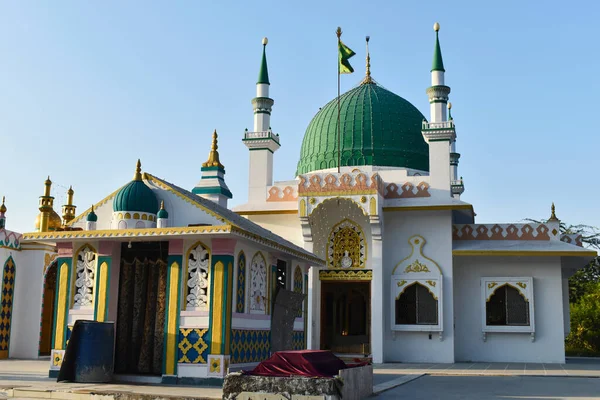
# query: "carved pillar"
x,y
174,271
102,290
221,292
61,313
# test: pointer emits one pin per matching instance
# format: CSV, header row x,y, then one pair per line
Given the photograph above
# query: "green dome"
x,y
92,217
136,196
378,127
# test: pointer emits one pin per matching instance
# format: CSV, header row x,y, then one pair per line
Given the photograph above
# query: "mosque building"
x,y
371,229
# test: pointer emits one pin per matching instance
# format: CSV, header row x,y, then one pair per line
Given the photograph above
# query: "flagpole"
x,y
339,34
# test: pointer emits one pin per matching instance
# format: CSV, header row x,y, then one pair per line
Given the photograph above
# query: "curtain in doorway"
x,y
141,317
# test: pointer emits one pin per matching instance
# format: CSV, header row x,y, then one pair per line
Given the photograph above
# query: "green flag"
x,y
345,54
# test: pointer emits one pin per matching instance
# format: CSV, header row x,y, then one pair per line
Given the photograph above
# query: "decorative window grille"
x,y
86,277
416,306
507,307
258,284
197,279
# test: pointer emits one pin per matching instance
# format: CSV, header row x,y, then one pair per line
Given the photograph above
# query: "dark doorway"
x,y
346,317
48,311
141,309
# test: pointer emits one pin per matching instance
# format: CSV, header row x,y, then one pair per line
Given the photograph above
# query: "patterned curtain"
x,y
141,316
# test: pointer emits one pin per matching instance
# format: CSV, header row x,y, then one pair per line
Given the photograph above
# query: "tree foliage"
x,y
584,295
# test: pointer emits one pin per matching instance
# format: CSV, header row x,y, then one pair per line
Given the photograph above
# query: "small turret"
x,y
212,186
162,216
68,209
47,219
91,220
3,214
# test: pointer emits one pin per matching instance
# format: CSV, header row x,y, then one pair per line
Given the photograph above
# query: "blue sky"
x,y
86,88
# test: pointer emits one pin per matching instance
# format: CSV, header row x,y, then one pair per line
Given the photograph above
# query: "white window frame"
x,y
435,289
517,283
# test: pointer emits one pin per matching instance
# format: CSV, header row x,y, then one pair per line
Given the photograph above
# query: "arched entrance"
x,y
47,325
341,236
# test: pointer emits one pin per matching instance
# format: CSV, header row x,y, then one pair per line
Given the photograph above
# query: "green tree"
x,y
584,338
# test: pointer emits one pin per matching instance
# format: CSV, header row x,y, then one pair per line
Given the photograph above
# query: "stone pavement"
x,y
29,379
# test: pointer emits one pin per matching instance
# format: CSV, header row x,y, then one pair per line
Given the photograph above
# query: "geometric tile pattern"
x,y
298,340
6,302
193,347
241,284
249,346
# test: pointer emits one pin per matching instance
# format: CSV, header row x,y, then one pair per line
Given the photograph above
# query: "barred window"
x,y
507,307
416,306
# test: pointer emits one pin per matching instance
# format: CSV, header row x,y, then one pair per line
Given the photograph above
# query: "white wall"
x,y
548,346
436,228
285,225
27,303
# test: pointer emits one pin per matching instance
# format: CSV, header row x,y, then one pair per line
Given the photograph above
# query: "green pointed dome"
x,y
377,127
136,196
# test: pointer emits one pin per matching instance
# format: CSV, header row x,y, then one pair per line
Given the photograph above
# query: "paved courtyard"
x,y
431,387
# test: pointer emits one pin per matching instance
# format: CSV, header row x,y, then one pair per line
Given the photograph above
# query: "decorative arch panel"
x,y
258,284
86,260
197,277
6,303
346,246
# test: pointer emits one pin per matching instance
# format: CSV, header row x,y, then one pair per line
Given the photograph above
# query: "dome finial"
x,y
213,156
368,79
263,73
138,171
438,63
3,206
553,213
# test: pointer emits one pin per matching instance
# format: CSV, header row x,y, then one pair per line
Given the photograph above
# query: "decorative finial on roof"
x,y
92,217
213,156
449,111
438,63
48,184
368,79
263,73
3,206
553,215
138,171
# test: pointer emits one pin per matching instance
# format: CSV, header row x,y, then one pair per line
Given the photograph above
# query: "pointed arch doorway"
x,y
47,323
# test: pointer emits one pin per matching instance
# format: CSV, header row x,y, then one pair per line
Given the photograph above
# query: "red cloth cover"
x,y
311,363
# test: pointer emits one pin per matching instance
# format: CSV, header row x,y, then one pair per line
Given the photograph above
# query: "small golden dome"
x,y
54,221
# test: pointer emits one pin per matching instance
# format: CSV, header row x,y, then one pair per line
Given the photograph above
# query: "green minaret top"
x,y
438,63
263,74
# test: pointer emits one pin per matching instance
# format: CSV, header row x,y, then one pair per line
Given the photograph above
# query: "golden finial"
x,y
48,184
553,215
436,27
449,106
3,207
92,208
367,79
70,194
213,156
162,204
138,171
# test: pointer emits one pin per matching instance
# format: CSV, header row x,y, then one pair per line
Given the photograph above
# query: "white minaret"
x,y
439,132
262,142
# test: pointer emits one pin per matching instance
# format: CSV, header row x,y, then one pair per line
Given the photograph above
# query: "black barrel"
x,y
89,357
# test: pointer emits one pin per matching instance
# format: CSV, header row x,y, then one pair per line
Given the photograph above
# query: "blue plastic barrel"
x,y
89,357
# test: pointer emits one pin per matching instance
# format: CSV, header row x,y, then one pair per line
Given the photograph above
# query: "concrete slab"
x,y
495,388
